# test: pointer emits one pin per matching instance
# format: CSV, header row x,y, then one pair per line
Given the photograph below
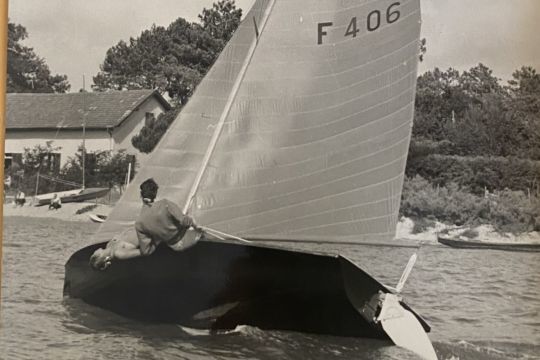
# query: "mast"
x,y
228,105
84,135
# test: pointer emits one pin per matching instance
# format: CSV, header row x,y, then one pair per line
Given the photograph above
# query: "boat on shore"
x,y
299,132
488,245
97,218
78,195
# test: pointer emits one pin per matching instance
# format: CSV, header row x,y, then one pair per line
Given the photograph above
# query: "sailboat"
x,y
298,133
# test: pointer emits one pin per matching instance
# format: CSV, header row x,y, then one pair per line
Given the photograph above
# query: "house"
x,y
105,120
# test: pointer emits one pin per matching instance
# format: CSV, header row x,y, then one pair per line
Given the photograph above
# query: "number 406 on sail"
x,y
374,20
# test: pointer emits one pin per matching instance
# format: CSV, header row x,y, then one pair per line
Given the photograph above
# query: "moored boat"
x,y
488,245
74,196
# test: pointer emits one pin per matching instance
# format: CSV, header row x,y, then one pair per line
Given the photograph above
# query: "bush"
x,y
507,211
86,209
475,173
102,168
147,139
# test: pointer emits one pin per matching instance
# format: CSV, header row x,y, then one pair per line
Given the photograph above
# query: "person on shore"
x,y
7,182
20,198
158,222
56,203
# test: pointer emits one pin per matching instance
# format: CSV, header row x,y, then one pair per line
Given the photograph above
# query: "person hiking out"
x,y
158,222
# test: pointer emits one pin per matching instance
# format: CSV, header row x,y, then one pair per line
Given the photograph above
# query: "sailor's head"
x,y
149,189
100,259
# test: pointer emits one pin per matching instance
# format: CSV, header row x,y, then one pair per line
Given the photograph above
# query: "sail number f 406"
x,y
374,20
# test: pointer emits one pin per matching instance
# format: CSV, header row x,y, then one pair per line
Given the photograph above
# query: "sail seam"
x,y
323,155
392,84
352,69
297,178
336,121
327,196
347,9
290,220
343,87
356,221
372,122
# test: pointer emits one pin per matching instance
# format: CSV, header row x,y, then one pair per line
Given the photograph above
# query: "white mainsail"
x,y
308,114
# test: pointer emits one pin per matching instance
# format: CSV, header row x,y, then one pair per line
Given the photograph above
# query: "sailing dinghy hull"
x,y
221,285
78,196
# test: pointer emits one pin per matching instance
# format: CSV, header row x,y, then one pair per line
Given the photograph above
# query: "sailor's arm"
x,y
123,253
179,216
146,245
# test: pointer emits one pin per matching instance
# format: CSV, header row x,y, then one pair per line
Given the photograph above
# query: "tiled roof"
x,y
103,109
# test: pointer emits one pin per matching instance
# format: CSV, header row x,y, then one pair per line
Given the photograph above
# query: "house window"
x,y
149,119
12,160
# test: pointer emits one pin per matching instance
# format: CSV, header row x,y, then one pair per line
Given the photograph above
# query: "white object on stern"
x,y
403,327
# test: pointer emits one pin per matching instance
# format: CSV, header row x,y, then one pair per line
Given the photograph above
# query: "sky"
x,y
74,35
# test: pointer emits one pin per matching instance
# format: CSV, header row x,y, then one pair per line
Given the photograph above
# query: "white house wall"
x,y
68,140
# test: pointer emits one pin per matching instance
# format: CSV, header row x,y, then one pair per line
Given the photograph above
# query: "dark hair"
x,y
149,189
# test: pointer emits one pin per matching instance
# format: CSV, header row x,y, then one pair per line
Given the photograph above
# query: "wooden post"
x,y
128,175
37,183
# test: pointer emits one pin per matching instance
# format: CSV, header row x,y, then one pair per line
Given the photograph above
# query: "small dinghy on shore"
x,y
488,245
97,218
79,195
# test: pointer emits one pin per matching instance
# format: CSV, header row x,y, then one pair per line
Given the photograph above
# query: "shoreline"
x,y
404,228
68,212
485,233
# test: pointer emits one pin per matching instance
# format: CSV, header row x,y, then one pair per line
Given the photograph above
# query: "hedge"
x,y
476,173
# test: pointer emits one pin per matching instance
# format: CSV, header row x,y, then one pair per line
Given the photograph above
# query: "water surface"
x,y
481,304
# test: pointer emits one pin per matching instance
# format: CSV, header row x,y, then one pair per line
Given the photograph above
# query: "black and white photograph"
x,y
271,179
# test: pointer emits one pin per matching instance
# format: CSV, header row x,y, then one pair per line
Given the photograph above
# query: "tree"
x,y
444,97
177,57
150,134
40,159
102,168
172,59
478,82
28,72
221,20
422,49
478,116
439,99
524,107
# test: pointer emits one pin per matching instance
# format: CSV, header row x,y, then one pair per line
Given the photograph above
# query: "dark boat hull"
x,y
221,285
469,244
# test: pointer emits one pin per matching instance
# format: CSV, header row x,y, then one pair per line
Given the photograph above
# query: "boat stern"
x,y
386,311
